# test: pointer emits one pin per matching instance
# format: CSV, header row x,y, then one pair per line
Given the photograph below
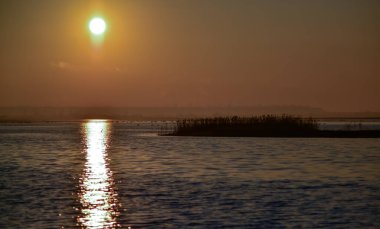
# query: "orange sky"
x,y
192,53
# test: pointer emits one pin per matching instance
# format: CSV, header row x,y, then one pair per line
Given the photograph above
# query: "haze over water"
x,y
99,173
196,53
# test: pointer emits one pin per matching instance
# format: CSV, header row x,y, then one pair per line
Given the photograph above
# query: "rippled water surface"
x,y
102,174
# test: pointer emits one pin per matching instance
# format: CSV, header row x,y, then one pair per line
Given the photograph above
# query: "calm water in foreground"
x,y
100,174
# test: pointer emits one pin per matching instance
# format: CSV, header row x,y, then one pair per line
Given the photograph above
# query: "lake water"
x,y
102,174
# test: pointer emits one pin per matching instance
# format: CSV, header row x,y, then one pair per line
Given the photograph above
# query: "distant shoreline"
x,y
38,114
172,119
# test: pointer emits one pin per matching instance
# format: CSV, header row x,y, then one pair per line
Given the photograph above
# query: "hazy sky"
x,y
323,53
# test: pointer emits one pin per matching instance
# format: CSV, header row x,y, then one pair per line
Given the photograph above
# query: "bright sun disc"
x,y
97,26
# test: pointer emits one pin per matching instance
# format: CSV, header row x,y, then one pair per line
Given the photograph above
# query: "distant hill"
x,y
26,114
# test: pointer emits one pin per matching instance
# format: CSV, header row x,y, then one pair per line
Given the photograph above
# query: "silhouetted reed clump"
x,y
265,125
262,126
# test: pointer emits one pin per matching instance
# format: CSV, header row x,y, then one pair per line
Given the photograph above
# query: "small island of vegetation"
x,y
262,126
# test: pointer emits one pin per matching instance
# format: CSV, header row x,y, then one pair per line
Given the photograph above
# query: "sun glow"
x,y
97,26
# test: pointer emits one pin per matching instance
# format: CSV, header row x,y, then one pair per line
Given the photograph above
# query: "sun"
x,y
97,26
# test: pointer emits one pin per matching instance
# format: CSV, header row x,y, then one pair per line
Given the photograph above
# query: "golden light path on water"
x,y
97,195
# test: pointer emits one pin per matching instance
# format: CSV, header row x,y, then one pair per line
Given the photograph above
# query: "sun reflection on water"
x,y
97,195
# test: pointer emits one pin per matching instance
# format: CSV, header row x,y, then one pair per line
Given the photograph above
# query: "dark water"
x,y
100,174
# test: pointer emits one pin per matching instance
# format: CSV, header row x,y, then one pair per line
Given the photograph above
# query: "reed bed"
x,y
264,125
